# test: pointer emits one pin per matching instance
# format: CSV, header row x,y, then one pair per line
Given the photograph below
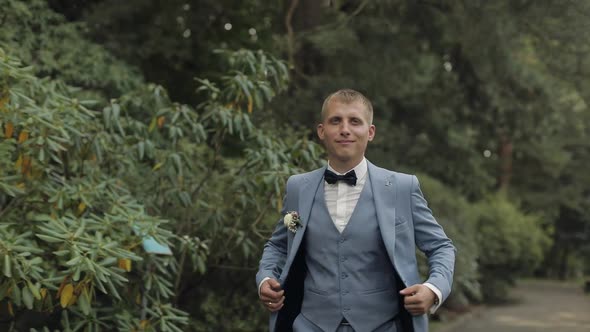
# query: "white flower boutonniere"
x,y
292,221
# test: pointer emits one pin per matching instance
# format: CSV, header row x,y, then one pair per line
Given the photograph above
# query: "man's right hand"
x,y
271,295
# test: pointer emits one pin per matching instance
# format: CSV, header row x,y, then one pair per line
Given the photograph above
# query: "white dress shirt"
x,y
341,198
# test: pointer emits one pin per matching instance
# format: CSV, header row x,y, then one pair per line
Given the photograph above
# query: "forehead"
x,y
337,108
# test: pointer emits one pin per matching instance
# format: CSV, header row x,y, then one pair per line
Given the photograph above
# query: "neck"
x,y
344,166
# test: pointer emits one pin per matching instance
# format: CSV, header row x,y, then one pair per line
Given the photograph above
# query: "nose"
x,y
344,129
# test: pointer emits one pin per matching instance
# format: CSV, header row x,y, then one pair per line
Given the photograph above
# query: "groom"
x,y
347,261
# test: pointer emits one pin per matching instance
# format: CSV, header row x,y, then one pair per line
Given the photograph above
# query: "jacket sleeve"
x,y
432,240
274,254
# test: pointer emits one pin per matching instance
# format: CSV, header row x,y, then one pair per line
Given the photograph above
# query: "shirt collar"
x,y
360,170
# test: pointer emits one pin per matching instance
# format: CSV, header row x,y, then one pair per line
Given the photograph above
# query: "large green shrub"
x,y
80,190
71,235
511,244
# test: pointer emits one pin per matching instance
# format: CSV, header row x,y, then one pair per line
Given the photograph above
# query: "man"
x,y
343,259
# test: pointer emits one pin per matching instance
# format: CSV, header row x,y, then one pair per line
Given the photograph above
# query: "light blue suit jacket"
x,y
405,222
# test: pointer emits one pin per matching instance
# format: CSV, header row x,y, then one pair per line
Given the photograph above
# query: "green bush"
x,y
80,189
511,244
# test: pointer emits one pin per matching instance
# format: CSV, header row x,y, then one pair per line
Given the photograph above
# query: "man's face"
x,y
345,131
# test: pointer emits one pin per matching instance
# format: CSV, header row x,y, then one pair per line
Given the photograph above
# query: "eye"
x,y
334,120
355,121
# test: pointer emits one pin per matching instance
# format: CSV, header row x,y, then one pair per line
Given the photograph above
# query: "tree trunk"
x,y
505,153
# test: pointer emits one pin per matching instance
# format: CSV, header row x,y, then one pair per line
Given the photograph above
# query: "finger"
x,y
274,284
267,301
271,295
274,306
414,299
268,291
410,290
416,310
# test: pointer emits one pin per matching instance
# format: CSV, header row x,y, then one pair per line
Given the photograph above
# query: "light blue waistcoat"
x,y
349,275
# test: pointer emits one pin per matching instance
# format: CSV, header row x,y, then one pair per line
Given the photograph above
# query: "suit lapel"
x,y
307,191
384,195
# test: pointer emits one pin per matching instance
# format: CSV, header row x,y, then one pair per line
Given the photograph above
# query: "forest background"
x,y
180,121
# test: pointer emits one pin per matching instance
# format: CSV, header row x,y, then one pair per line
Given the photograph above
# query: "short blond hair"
x,y
348,96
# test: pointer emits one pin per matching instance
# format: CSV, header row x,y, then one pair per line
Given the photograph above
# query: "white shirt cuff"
x,y
260,284
438,300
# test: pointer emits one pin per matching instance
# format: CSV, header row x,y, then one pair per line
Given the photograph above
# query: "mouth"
x,y
345,142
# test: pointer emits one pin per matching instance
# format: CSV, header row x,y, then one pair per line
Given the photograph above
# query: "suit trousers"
x,y
302,324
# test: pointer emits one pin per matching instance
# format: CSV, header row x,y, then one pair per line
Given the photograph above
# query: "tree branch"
x,y
290,32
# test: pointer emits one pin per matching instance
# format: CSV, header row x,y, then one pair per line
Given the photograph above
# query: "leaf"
x,y
34,290
152,125
7,266
26,166
16,294
125,264
157,166
84,301
67,294
8,130
144,324
23,136
161,121
74,261
81,207
249,104
28,298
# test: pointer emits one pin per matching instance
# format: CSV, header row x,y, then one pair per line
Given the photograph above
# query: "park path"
x,y
542,306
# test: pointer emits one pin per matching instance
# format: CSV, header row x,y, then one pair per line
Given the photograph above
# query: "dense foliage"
x,y
487,101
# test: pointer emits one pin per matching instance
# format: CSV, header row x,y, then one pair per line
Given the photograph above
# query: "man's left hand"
x,y
418,299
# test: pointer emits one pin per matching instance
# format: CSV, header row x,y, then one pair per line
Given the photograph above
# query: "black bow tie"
x,y
349,178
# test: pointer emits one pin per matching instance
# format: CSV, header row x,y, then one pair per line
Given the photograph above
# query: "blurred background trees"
x,y
190,115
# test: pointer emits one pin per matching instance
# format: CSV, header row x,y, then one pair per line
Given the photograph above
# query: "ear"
x,y
320,130
371,132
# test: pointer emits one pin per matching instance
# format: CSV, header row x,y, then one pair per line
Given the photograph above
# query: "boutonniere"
x,y
292,221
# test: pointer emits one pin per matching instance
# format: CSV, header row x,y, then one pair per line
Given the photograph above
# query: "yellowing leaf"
x,y
81,207
20,185
19,162
250,104
3,101
157,166
8,130
144,324
26,166
43,292
67,294
161,121
152,125
125,264
23,136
